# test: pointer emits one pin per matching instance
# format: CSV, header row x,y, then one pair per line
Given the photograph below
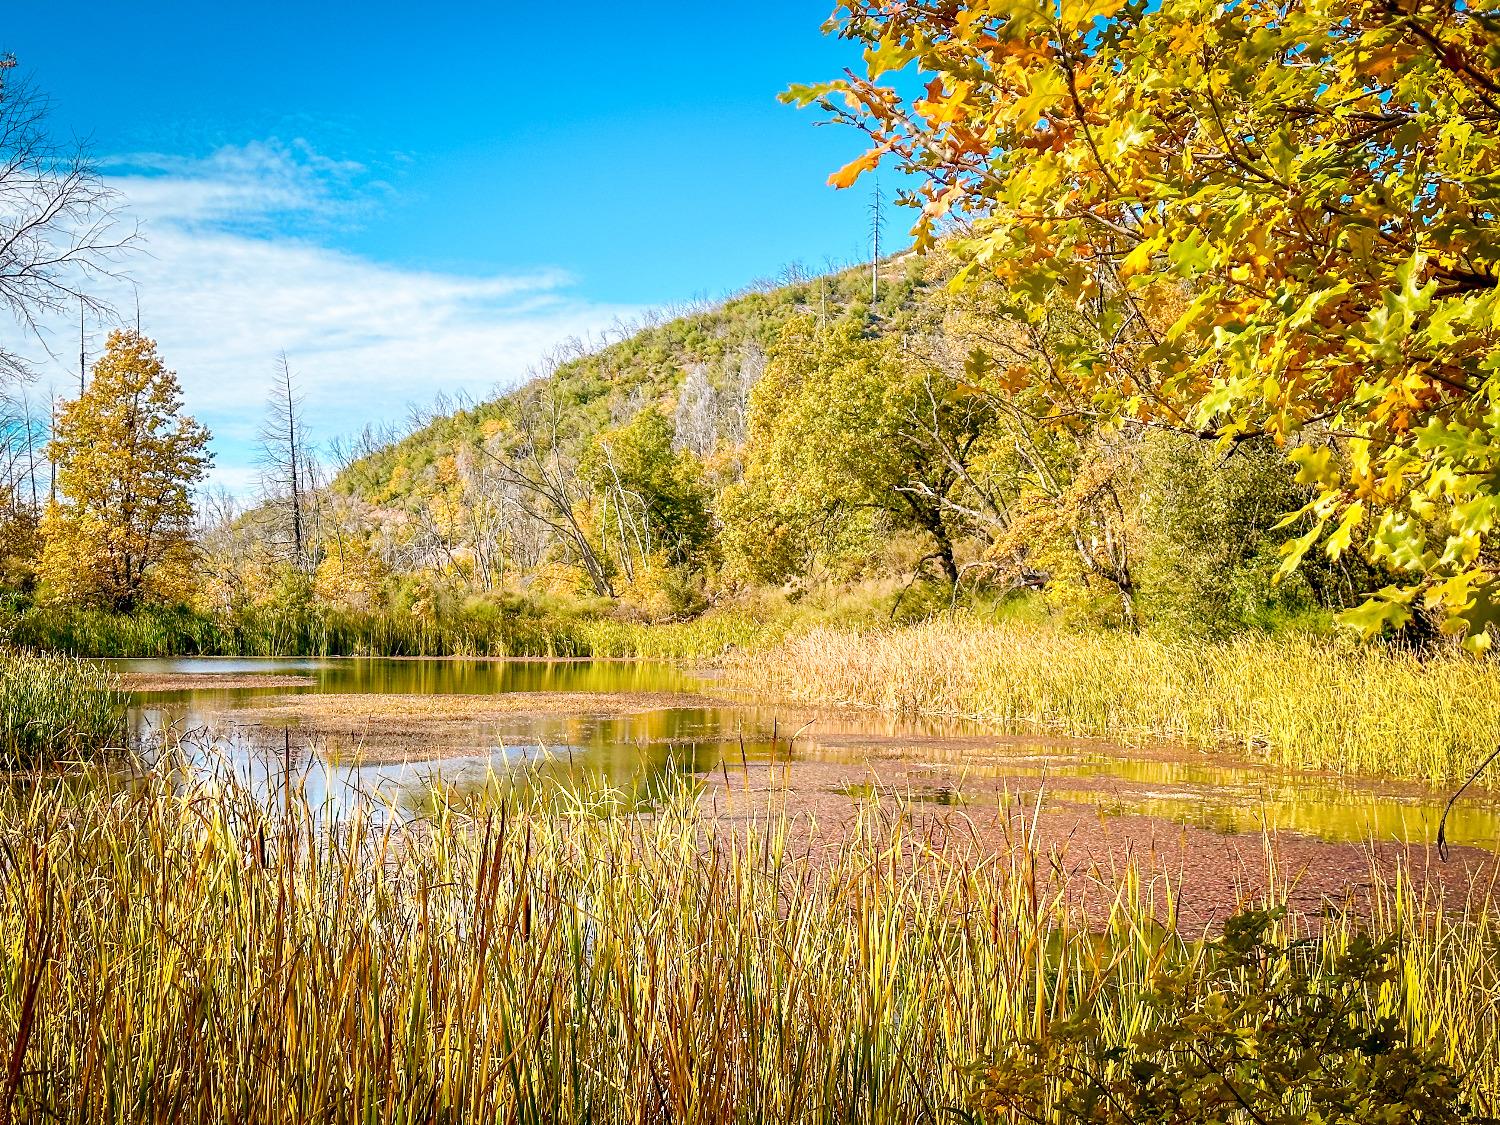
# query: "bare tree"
x,y
286,471
748,369
697,413
217,508
372,439
22,435
59,227
23,440
544,482
794,272
233,543
628,513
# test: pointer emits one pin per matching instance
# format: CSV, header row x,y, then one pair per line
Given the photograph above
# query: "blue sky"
x,y
420,198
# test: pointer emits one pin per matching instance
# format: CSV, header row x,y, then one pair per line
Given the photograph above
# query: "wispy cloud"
x,y
236,266
238,185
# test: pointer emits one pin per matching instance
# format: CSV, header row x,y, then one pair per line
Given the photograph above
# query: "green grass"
x,y
706,638
481,630
506,624
1300,701
55,708
510,628
189,956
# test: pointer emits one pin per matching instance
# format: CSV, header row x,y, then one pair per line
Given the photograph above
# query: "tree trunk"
x,y
930,518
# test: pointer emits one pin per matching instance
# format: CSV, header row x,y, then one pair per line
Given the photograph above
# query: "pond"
x,y
389,732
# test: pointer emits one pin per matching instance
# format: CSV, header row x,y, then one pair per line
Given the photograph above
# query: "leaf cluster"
x,y
1257,1030
1281,219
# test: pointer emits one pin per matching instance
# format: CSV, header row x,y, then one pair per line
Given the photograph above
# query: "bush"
x,y
1210,542
1257,1031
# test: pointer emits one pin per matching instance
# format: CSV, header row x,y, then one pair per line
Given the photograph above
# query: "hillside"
x,y
794,438
648,367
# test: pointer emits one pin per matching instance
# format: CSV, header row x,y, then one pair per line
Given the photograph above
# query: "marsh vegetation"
x,y
196,954
1304,702
1176,432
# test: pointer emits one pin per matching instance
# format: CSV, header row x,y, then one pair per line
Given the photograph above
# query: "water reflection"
x,y
637,754
280,770
634,755
356,676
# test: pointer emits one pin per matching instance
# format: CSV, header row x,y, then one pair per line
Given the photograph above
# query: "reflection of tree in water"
x,y
625,762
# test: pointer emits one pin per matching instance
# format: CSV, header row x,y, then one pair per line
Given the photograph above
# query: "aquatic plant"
x,y
56,707
480,628
185,953
709,637
1306,702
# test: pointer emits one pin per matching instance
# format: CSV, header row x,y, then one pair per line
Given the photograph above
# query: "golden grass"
x,y
1302,702
705,638
191,955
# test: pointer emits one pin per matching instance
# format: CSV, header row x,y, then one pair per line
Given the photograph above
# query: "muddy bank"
x,y
378,728
151,682
1196,875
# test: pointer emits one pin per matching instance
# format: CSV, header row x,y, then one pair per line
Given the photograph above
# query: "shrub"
x,y
1257,1031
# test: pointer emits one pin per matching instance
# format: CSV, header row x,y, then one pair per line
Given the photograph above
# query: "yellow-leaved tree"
x,y
119,533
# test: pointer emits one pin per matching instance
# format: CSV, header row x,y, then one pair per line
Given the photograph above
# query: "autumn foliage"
x,y
1310,187
119,532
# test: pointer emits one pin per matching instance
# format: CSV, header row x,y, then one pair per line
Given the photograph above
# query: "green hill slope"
x,y
648,368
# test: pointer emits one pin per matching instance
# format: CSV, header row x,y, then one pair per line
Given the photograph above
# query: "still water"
x,y
689,725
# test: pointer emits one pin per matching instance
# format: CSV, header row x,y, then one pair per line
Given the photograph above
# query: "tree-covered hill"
x,y
797,436
707,348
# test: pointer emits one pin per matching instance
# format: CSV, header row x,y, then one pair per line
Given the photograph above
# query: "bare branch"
x,y
60,228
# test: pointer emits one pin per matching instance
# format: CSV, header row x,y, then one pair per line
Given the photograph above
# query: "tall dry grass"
x,y
1300,701
706,638
194,955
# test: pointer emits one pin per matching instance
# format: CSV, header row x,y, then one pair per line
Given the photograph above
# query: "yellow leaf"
x,y
852,171
1139,259
1339,541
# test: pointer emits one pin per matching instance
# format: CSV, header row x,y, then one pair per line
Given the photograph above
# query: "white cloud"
x,y
242,186
234,271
